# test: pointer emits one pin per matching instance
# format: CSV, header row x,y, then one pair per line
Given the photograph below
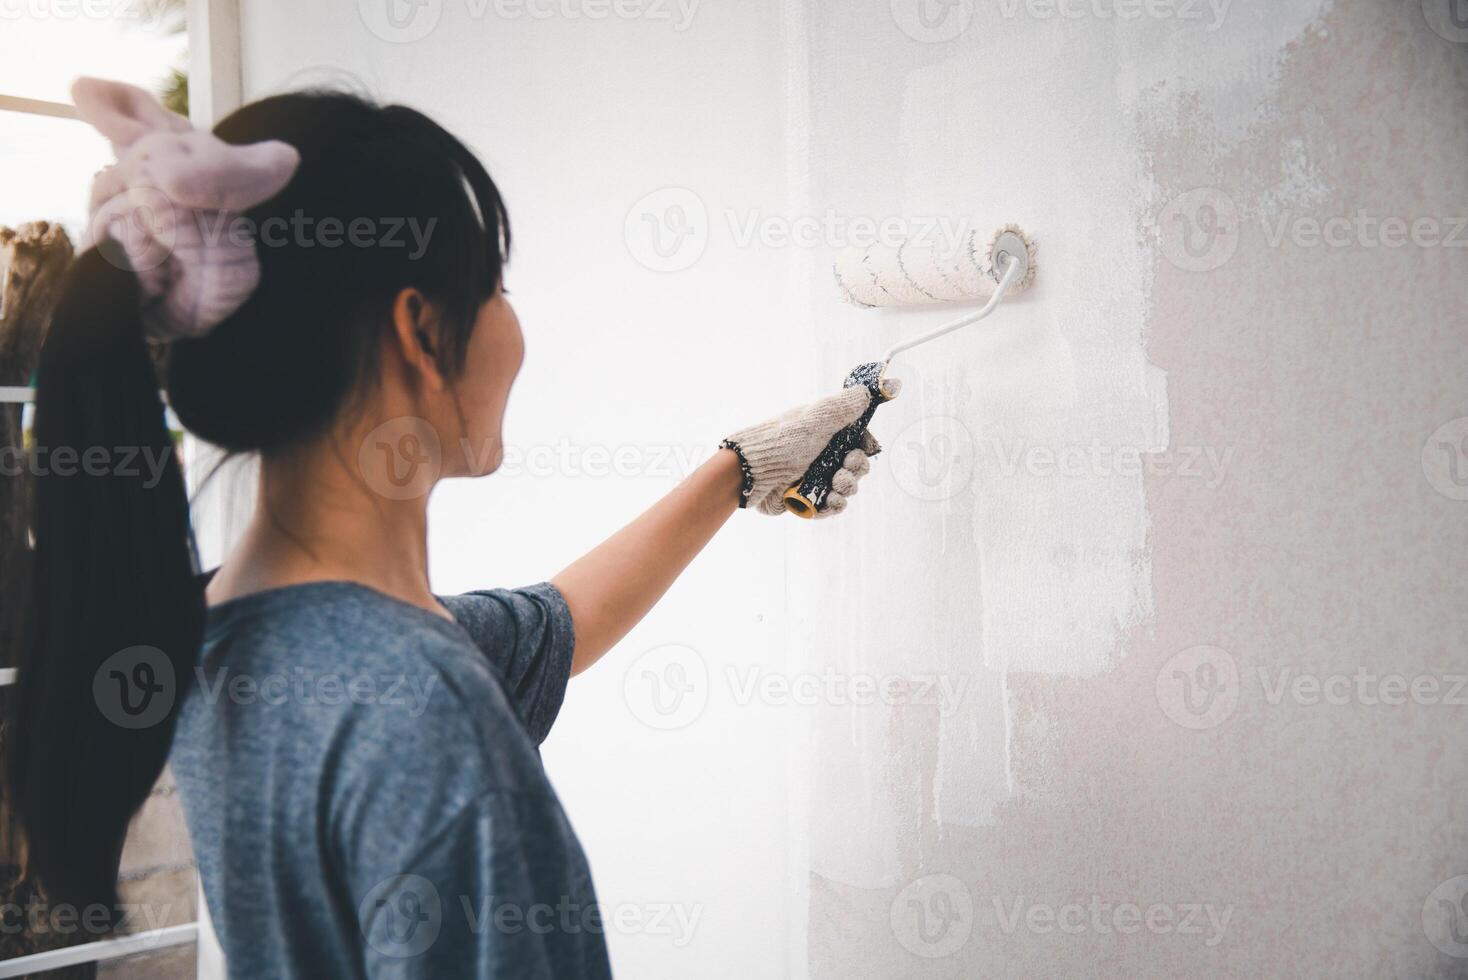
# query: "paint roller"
x,y
911,273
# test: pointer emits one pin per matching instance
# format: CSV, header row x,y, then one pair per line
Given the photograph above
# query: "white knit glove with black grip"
x,y
776,454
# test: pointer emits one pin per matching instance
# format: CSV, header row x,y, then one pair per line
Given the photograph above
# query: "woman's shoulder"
x,y
338,624
336,658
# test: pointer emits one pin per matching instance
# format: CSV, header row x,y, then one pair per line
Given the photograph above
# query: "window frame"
x,y
215,87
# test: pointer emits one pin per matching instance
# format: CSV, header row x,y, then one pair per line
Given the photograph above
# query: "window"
x,y
49,155
47,160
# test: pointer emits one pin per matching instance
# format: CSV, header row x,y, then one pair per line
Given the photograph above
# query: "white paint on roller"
x,y
921,272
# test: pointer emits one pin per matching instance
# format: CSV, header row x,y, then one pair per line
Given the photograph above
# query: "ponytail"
x,y
111,626
115,613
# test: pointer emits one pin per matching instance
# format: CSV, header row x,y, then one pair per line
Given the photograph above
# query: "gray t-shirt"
x,y
365,795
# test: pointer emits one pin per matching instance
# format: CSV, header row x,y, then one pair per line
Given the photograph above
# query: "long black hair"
x,y
114,597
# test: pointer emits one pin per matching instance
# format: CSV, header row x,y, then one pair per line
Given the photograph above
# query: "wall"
x,y
1126,518
1118,532
679,799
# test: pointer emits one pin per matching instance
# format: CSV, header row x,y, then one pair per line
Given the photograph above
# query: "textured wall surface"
x,y
1186,532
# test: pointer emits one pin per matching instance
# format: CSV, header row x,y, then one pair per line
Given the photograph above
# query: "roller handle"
x,y
807,497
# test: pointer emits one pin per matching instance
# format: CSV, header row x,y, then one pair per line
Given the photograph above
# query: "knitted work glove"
x,y
776,454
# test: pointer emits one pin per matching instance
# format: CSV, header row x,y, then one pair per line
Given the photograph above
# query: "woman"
x,y
404,824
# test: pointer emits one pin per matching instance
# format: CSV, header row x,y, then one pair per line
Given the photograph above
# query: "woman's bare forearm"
x,y
613,586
